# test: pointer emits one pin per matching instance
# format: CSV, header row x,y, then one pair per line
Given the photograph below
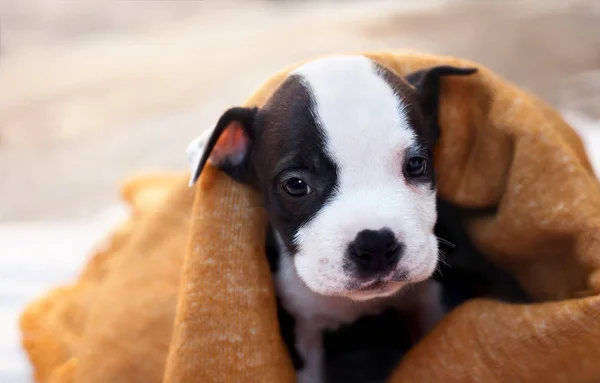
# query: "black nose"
x,y
375,250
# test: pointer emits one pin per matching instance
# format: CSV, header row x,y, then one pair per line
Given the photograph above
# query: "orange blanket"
x,y
157,305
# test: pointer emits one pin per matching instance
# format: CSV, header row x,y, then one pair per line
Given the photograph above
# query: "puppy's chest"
x,y
346,341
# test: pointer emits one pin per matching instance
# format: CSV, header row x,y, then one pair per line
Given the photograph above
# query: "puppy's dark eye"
x,y
416,166
296,187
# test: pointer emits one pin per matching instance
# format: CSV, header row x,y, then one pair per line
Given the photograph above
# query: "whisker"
x,y
442,258
446,242
441,261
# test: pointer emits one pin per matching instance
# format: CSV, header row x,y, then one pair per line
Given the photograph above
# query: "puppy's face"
x,y
342,155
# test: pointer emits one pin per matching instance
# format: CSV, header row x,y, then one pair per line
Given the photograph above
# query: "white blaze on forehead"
x,y
362,118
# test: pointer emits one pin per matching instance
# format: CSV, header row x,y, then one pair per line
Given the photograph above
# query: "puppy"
x,y
342,156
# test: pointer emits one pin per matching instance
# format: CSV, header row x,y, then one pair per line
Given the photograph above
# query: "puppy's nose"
x,y
376,250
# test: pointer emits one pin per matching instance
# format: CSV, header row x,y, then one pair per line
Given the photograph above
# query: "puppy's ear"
x,y
427,83
226,146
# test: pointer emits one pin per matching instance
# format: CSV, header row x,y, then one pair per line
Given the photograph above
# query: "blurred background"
x,y
92,91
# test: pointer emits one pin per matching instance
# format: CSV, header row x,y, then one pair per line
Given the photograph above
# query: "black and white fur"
x,y
342,156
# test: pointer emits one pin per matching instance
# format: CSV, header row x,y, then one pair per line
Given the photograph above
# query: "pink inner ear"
x,y
232,144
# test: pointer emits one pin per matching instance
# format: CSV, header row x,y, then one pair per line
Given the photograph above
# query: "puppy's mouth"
x,y
380,283
375,286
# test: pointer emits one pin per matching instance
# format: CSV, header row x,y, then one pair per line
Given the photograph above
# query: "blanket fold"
x,y
183,292
226,301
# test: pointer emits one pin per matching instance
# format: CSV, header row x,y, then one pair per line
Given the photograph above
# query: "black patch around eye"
x,y
292,141
424,126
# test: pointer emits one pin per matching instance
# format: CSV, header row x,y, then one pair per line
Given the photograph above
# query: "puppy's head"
x,y
342,156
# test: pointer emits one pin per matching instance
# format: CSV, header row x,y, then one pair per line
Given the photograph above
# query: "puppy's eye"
x,y
416,166
296,187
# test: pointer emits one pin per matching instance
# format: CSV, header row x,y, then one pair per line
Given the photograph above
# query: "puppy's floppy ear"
x,y
427,83
226,146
